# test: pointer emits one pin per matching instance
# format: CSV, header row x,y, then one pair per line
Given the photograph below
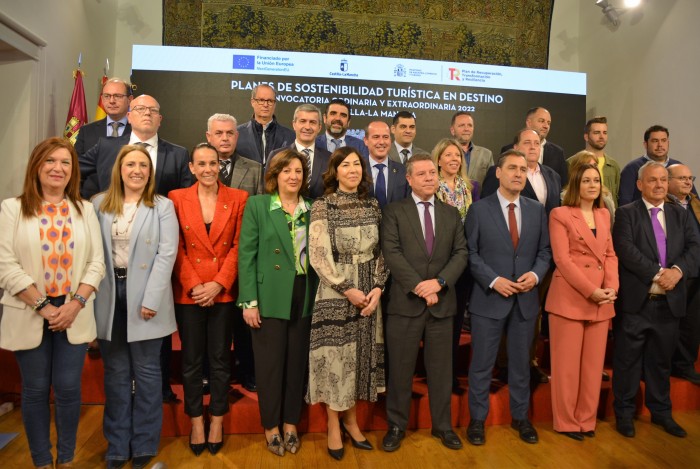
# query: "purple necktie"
x,y
659,235
429,233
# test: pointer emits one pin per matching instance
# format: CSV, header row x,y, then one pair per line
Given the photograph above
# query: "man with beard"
x,y
477,159
337,120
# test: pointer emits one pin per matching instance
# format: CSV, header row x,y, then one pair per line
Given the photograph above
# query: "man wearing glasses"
x,y
263,134
169,160
680,186
116,96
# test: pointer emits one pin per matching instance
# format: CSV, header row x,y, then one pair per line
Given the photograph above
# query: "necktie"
x,y
380,185
659,235
429,233
307,152
405,153
337,143
224,168
115,129
513,225
264,147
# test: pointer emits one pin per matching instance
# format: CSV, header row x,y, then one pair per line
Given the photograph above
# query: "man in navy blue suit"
x,y
337,120
388,177
509,253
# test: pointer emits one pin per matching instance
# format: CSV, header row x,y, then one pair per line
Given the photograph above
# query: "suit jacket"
x,y
247,175
638,255
394,154
205,257
551,180
397,187
321,158
480,160
21,265
152,253
266,262
552,156
491,255
172,166
276,136
628,180
403,246
350,141
584,263
90,134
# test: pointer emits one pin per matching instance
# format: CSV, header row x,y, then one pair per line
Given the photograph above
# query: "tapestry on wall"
x,y
497,32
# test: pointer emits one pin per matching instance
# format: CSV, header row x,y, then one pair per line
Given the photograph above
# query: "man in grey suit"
x,y
403,128
116,97
424,247
509,254
236,171
388,177
337,120
245,174
477,159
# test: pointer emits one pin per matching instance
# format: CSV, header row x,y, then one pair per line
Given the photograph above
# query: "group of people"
x,y
330,259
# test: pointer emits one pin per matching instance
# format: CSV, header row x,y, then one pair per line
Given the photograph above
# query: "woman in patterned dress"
x,y
51,262
346,359
456,189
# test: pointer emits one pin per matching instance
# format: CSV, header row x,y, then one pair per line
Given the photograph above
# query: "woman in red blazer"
x,y
580,301
204,287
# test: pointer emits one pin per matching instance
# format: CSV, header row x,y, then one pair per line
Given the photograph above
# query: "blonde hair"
x,y
114,195
440,148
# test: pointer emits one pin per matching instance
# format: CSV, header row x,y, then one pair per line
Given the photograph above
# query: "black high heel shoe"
x,y
215,447
337,454
197,448
365,444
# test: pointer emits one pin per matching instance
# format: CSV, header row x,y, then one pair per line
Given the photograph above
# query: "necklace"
x,y
115,223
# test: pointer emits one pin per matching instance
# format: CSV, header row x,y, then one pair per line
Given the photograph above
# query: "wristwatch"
x,y
441,281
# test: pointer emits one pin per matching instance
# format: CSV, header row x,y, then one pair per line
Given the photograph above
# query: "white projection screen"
x,y
193,83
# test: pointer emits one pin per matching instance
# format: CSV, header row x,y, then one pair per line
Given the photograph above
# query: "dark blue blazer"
x,y
638,255
356,143
91,133
277,136
397,187
172,166
491,255
320,165
551,179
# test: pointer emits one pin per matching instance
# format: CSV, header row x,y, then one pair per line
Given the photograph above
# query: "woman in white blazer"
x,y
140,236
51,262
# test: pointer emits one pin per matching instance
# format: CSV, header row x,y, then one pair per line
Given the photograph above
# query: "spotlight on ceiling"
x,y
609,11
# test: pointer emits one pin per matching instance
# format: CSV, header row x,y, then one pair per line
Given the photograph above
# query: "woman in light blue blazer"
x,y
140,236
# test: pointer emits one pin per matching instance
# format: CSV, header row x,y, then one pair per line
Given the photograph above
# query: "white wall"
x,y
642,73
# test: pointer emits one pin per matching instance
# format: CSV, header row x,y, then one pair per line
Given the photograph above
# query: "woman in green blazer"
x,y
276,291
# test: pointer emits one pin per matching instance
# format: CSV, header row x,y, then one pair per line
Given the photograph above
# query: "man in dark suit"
x,y
509,254
337,120
116,96
391,175
551,154
424,247
245,174
263,134
403,128
171,161
658,249
542,184
236,171
307,125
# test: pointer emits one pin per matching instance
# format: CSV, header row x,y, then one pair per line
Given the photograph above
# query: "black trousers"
x,y
644,340
463,289
689,332
242,346
205,331
281,349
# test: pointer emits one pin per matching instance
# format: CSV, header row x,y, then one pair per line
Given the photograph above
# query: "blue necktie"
x,y
337,143
380,185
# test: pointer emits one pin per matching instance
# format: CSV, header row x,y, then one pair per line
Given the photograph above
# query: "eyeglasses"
x,y
265,102
117,97
683,178
142,110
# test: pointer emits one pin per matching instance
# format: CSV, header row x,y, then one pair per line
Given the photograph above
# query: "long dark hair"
x,y
330,177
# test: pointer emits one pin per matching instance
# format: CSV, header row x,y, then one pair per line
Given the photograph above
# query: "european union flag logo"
x,y
244,62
